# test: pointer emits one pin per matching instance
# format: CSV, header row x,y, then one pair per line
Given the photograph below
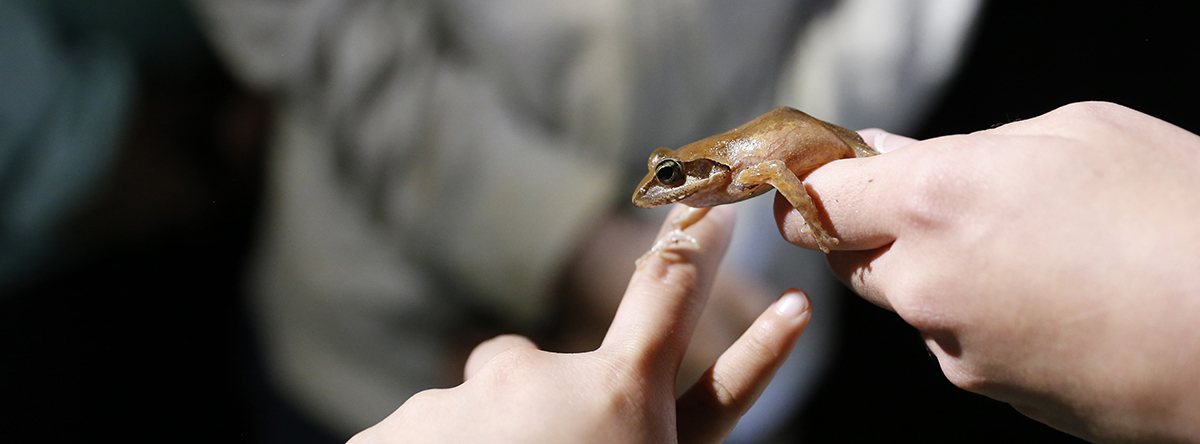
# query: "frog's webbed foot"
x,y
824,240
676,234
776,174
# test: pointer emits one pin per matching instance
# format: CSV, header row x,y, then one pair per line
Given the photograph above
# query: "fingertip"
x,y
682,216
691,235
724,216
670,286
884,141
784,321
792,304
712,406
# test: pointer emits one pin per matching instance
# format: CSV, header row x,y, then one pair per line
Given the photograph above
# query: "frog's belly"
x,y
735,192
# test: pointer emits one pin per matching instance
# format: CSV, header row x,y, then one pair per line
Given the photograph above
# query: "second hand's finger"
x,y
667,292
710,409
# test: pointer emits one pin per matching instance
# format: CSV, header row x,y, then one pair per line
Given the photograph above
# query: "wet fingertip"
x,y
676,209
880,140
792,304
868,135
885,142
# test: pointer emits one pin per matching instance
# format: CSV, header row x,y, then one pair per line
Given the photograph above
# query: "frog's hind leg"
x,y
776,174
853,139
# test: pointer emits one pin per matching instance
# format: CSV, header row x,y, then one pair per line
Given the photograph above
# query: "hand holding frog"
x,y
1052,263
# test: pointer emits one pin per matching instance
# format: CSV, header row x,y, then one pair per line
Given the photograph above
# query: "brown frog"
x,y
772,151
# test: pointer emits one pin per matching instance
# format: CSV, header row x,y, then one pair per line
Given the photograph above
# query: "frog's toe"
x,y
822,246
820,237
828,242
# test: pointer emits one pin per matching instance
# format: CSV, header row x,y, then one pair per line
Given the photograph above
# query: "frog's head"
x,y
672,179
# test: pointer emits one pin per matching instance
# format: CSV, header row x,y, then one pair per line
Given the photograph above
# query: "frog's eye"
x,y
669,172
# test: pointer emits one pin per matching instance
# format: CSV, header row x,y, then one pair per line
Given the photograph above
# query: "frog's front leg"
x,y
676,235
777,174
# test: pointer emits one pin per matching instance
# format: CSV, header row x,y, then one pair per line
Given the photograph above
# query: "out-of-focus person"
x,y
438,170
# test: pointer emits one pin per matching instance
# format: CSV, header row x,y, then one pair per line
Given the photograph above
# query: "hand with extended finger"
x,y
625,390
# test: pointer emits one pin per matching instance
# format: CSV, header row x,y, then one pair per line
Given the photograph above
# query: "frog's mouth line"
x,y
693,189
700,178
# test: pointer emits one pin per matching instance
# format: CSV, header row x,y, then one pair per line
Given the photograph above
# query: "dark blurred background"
x,y
135,327
131,327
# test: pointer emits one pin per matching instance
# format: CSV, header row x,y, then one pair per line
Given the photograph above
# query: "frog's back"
x,y
803,142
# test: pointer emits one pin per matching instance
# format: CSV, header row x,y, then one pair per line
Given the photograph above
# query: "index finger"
x,y
667,292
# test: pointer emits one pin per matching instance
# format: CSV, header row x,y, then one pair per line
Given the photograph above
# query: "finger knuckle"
x,y
1084,120
761,350
421,399
962,376
921,302
918,300
623,392
515,358
1087,111
937,189
510,365
727,401
914,308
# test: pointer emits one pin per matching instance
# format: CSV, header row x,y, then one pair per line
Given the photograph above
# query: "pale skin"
x,y
1052,263
596,278
624,391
